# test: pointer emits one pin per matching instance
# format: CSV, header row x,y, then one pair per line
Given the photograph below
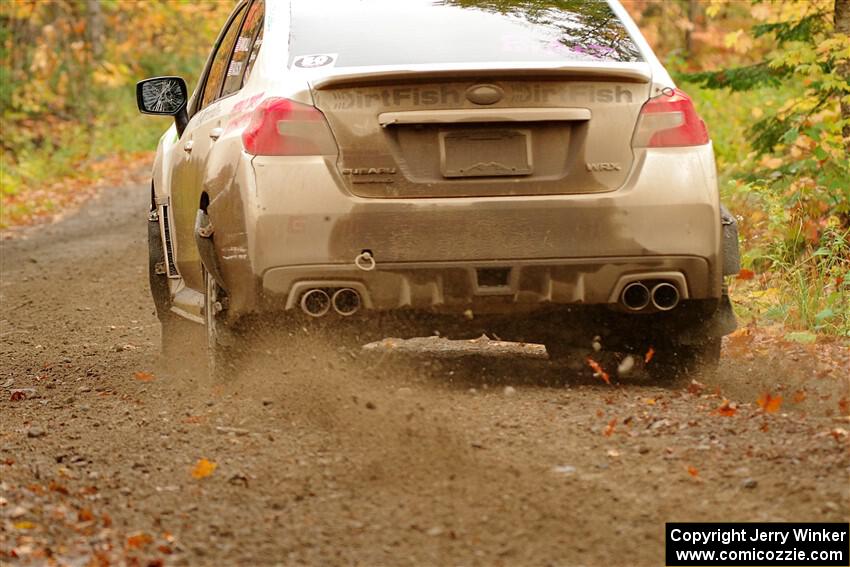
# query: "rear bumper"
x,y
501,286
303,228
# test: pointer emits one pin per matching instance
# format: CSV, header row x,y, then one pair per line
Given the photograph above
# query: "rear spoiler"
x,y
363,76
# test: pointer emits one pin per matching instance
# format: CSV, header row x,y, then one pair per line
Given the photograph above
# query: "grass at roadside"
x,y
796,264
52,198
48,173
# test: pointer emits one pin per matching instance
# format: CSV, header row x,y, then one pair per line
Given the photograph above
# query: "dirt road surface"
x,y
333,457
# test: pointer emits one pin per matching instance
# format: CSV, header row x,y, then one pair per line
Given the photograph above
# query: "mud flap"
x,y
206,248
731,253
156,270
724,321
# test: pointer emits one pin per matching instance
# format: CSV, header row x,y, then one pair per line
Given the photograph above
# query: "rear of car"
x,y
491,160
525,167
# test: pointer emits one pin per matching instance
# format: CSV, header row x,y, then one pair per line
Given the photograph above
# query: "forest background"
x,y
771,78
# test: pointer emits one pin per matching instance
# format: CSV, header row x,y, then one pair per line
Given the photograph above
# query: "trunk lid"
x,y
484,132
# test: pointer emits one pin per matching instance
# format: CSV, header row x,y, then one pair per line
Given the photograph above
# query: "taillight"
x,y
281,127
670,120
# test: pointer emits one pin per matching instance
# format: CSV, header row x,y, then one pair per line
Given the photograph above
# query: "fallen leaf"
x,y
203,468
85,515
613,453
839,433
56,487
739,341
24,525
17,396
598,371
727,408
144,376
844,406
740,332
649,401
648,356
693,471
609,429
799,396
770,404
138,540
695,387
746,274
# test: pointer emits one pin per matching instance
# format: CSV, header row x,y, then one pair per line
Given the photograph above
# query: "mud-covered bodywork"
x,y
461,185
558,249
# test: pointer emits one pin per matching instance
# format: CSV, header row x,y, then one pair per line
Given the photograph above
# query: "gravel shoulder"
x,y
338,457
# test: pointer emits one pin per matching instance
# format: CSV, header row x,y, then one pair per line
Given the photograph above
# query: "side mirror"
x,y
164,96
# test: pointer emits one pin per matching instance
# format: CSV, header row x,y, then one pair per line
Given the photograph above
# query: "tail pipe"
x,y
346,301
316,303
665,296
635,296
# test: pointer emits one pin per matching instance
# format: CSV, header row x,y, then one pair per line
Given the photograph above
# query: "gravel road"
x,y
337,457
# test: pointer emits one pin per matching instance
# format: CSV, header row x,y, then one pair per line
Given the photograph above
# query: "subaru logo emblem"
x,y
484,94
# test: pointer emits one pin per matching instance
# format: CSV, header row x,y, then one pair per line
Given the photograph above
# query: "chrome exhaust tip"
x,y
635,296
316,303
665,296
346,301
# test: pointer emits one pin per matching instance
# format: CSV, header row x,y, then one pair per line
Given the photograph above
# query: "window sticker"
x,y
234,69
315,61
243,44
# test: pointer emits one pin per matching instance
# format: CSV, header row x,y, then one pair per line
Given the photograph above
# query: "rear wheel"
x,y
221,338
180,337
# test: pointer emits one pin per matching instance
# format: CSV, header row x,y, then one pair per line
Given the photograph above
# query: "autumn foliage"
x,y
68,70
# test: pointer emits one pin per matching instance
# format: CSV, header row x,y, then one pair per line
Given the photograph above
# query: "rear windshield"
x,y
351,33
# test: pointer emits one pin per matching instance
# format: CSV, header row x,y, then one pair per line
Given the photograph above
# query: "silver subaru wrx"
x,y
528,169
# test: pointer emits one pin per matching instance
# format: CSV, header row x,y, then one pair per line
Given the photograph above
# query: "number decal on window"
x,y
313,61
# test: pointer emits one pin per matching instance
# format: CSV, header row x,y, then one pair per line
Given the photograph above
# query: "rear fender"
x,y
230,210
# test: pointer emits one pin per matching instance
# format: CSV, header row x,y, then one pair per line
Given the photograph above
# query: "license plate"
x,y
485,153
